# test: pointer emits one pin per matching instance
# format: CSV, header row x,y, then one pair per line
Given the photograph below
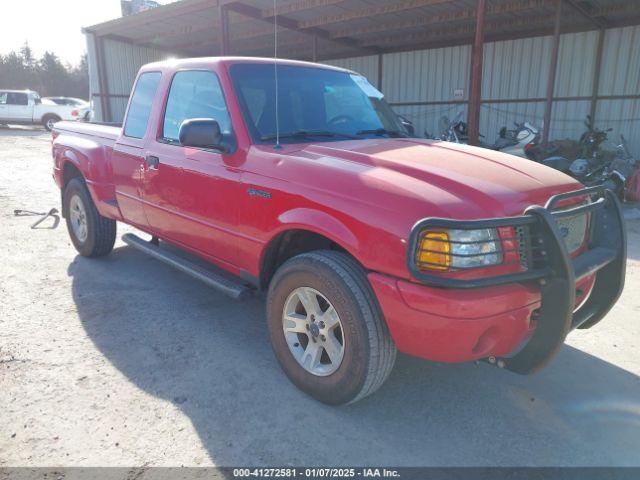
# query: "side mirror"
x,y
201,133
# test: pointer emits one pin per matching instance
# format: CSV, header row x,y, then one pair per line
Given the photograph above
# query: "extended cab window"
x,y
140,106
194,94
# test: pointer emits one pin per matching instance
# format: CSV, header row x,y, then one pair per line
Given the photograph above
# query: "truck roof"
x,y
200,62
17,91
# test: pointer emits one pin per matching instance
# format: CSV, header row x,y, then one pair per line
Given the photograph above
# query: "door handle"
x,y
152,162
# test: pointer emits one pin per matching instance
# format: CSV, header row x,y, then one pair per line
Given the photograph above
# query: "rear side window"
x,y
140,106
15,98
3,98
194,94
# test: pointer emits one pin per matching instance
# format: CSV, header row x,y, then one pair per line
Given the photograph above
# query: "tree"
x,y
47,75
28,60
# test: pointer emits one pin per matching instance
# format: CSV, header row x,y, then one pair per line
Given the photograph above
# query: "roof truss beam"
x,y
460,15
390,7
464,31
580,9
291,24
298,7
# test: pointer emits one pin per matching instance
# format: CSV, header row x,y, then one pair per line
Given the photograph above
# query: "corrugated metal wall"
x,y
518,70
621,76
123,61
367,66
436,74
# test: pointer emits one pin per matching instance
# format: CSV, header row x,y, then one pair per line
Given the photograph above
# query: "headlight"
x,y
445,250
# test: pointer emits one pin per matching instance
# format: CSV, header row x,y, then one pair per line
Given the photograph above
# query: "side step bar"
x,y
226,285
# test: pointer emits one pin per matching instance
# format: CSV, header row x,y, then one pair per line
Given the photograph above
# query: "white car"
x,y
25,107
84,107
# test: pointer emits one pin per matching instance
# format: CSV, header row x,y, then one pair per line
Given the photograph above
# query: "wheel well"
x,y
69,172
50,115
289,244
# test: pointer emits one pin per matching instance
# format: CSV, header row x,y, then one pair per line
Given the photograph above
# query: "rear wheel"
x,y
49,121
92,234
326,328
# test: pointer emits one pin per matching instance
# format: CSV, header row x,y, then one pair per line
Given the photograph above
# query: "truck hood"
x,y
445,179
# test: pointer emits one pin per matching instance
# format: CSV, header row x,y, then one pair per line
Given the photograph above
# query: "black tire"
x,y
101,231
49,120
369,351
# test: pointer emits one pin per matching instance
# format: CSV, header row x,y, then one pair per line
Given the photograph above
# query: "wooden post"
x,y
551,81
223,15
475,88
596,75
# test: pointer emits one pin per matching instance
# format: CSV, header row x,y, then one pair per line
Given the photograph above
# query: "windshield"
x,y
324,104
76,102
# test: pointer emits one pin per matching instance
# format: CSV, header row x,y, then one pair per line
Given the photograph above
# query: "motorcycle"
x,y
606,168
518,141
455,131
514,142
407,125
575,158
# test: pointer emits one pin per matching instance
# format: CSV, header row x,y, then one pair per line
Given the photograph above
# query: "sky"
x,y
53,25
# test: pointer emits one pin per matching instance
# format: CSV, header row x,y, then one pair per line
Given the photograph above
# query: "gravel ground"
x,y
123,361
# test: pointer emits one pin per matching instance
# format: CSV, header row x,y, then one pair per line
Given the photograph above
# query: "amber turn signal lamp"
x,y
434,251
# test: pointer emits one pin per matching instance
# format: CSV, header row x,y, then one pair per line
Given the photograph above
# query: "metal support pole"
x,y
314,50
475,88
105,100
596,75
551,81
380,68
223,15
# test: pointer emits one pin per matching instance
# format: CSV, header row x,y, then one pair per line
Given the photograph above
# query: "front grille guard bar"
x,y
606,256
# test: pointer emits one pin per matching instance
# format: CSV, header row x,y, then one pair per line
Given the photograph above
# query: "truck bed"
x,y
106,131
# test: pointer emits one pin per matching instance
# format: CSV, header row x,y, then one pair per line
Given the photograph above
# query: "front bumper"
x,y
524,316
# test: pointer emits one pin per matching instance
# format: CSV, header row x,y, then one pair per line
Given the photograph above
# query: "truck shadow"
x,y
176,339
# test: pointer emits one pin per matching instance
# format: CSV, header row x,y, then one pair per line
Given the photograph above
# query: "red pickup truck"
x,y
298,179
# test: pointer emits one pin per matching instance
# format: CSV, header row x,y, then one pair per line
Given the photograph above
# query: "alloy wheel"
x,y
313,331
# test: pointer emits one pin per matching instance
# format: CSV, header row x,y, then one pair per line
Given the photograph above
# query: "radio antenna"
x,y
275,71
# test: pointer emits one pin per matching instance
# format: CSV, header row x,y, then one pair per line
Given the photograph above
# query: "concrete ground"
x,y
123,361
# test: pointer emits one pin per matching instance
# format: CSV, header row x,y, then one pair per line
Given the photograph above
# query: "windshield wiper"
x,y
382,131
308,133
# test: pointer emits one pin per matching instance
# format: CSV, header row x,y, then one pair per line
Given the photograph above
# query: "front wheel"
x,y
326,328
92,234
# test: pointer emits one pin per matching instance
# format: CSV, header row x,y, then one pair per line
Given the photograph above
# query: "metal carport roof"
x,y
328,29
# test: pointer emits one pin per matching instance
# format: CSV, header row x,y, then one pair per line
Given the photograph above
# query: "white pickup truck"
x,y
26,107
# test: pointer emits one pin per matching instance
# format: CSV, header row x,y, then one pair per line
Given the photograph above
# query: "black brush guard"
x,y
556,272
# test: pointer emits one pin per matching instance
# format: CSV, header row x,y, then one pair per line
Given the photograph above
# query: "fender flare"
x,y
319,222
313,221
87,156
89,159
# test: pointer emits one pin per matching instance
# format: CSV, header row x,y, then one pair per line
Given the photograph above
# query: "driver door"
x,y
192,194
